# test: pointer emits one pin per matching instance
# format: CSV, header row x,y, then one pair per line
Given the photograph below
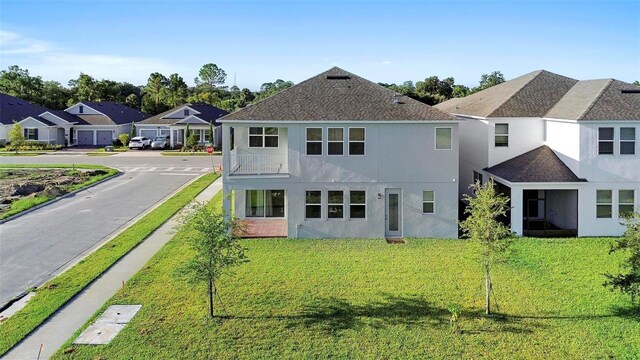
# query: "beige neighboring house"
x,y
200,117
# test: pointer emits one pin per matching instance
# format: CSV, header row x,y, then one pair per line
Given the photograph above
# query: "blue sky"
x,y
261,41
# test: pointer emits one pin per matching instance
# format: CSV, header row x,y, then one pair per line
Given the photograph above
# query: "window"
x,y
477,177
264,203
428,202
357,204
81,109
627,141
197,133
31,134
625,202
313,204
185,112
263,137
502,135
605,141
335,204
314,141
335,141
443,138
603,203
356,141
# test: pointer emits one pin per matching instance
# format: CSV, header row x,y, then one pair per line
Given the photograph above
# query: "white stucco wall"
x,y
525,134
563,137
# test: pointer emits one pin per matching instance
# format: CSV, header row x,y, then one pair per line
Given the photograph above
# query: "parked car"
x,y
139,142
161,142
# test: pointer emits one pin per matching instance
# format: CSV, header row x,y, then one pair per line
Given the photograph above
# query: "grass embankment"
x,y
55,293
27,153
187,153
359,298
30,202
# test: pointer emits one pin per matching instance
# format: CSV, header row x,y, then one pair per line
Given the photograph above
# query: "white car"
x,y
139,142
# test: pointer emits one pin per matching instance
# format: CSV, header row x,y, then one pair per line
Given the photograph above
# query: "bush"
x,y
124,139
33,146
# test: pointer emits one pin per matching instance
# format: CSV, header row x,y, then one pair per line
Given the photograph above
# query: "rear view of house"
x,y
340,156
565,151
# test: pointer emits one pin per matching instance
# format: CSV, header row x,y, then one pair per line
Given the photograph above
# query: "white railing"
x,y
258,164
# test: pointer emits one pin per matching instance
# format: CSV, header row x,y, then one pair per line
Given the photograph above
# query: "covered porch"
x,y
201,129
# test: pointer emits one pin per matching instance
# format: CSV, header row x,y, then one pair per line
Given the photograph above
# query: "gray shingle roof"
x,y
529,95
338,95
538,165
208,113
599,100
16,109
118,113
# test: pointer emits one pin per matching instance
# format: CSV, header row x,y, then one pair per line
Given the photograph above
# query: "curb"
x,y
120,172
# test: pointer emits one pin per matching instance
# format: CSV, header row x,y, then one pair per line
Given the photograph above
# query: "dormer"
x,y
181,113
82,109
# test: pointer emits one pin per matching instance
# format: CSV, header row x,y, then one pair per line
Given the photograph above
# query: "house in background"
x,y
564,151
174,122
103,121
340,156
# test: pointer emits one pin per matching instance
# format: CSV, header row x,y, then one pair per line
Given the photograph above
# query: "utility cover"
x,y
105,329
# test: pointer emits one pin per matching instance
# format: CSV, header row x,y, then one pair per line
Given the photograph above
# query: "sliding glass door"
x,y
265,203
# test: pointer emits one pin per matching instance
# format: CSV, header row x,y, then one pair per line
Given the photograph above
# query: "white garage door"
x,y
85,137
151,134
104,137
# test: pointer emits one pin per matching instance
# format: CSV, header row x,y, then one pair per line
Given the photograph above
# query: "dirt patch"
x,y
16,184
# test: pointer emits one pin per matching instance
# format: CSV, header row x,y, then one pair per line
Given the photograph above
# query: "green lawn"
x,y
55,293
367,299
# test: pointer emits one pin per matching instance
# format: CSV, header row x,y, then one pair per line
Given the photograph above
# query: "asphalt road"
x,y
39,245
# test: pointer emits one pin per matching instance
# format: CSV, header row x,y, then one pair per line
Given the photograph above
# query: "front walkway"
x,y
58,328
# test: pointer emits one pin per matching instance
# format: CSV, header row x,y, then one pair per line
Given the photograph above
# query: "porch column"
x,y
171,137
516,210
226,150
226,201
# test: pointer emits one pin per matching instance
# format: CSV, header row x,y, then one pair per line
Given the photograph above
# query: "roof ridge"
x,y
539,72
595,99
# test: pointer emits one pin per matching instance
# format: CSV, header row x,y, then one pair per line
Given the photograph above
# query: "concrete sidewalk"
x,y
59,327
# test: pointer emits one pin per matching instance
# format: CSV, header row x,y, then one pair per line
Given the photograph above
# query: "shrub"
x,y
124,139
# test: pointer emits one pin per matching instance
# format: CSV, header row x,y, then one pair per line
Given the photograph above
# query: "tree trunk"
x,y
211,298
487,287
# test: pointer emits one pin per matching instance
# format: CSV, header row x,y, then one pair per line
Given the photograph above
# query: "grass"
x,y
29,202
29,153
359,298
186,153
58,291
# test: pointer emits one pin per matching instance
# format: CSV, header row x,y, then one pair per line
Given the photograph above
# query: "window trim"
x,y
495,135
612,141
80,109
263,135
329,141
308,204
632,203
335,204
610,204
435,138
358,204
185,112
364,142
620,140
432,202
29,132
264,204
307,141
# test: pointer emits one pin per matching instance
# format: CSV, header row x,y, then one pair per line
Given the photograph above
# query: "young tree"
x,y
132,132
211,132
124,139
482,226
215,241
629,243
16,136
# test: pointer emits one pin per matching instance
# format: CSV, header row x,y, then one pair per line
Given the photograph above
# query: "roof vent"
x,y
338,77
630,91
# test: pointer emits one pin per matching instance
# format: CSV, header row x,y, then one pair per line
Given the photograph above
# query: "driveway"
x,y
39,245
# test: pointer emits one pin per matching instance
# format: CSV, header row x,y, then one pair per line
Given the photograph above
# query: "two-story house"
x,y
199,116
340,156
564,151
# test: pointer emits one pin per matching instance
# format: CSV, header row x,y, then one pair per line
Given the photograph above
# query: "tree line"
x,y
162,93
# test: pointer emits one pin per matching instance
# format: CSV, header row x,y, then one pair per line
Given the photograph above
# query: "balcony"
x,y
259,164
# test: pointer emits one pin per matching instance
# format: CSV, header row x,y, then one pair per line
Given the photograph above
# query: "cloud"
x,y
55,63
386,62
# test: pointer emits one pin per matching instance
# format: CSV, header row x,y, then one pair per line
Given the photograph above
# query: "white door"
x,y
393,213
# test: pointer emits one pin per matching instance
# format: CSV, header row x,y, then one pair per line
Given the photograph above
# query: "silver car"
x,y
161,142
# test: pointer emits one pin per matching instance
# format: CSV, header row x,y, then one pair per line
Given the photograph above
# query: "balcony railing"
x,y
258,164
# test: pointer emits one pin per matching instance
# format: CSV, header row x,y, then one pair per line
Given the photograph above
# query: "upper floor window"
x,y
81,109
443,138
605,141
625,202
263,137
335,141
627,141
357,204
502,135
185,112
604,203
356,141
314,141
